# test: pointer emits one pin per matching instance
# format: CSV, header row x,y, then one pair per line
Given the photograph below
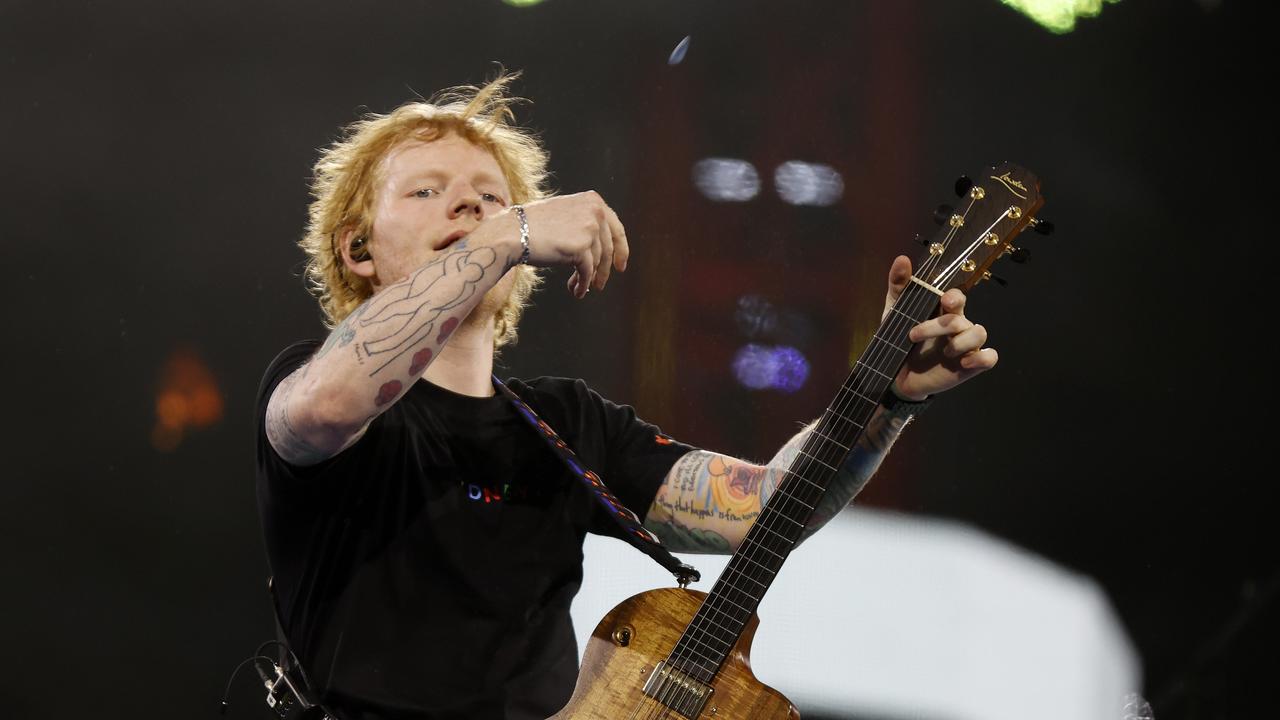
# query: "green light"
x,y
1057,16
521,3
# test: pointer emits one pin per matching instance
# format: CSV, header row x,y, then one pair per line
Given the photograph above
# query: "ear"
x,y
356,253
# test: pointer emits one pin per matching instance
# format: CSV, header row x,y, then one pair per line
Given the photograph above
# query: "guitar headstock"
x,y
998,205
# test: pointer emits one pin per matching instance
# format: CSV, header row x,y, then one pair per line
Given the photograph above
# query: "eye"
x,y
425,192
490,197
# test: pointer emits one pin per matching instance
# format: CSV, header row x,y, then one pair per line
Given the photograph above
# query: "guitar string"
x,y
812,454
876,356
665,697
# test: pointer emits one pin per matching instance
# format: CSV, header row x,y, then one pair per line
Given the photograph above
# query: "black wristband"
x,y
895,403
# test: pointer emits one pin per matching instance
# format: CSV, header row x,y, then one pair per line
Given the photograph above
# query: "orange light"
x,y
188,397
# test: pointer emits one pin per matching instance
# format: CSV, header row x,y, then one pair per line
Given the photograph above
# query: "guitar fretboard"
x,y
733,599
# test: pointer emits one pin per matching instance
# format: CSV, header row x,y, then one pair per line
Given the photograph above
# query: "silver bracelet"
x,y
524,234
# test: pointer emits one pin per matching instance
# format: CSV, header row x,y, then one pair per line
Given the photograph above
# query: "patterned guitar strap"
x,y
633,532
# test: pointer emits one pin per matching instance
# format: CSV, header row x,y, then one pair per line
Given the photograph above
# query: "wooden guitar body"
x,y
637,635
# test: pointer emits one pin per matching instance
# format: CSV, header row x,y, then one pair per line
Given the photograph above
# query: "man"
x,y
425,543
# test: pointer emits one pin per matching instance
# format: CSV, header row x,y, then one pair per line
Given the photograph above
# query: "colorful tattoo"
x,y
709,501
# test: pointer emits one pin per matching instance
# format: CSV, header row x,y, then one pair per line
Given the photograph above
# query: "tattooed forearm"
x,y
284,437
680,538
343,334
684,514
399,318
709,501
397,332
854,472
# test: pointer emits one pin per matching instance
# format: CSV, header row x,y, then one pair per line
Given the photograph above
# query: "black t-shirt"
x,y
427,570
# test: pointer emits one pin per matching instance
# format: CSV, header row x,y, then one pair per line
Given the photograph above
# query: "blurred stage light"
x,y
726,179
677,55
763,367
755,316
188,398
802,183
521,3
1057,16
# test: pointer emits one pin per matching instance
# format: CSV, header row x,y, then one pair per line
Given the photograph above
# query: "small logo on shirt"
x,y
476,492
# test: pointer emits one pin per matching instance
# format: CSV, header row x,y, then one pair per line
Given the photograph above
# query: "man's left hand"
x,y
949,347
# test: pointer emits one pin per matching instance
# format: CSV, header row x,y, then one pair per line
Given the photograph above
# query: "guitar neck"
x,y
994,210
733,600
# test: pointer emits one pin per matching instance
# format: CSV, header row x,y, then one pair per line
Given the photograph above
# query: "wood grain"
x,y
612,677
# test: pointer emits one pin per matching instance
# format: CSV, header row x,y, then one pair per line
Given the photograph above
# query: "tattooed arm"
x,y
380,349
376,354
708,501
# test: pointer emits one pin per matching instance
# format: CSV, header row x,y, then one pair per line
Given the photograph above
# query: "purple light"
x,y
792,370
754,366
762,367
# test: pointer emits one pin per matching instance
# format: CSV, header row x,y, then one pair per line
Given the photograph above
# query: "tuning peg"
x,y
963,184
1020,255
988,275
1044,227
943,214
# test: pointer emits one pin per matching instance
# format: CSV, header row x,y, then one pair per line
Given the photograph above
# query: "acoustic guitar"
x,y
679,653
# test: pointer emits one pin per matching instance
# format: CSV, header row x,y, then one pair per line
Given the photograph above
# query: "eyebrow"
x,y
480,178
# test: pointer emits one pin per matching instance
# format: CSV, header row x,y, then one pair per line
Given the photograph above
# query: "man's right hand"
x,y
577,230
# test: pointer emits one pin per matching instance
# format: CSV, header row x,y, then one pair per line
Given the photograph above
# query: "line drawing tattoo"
x,y
400,316
344,333
289,444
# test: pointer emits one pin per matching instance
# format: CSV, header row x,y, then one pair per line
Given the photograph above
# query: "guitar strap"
x,y
633,532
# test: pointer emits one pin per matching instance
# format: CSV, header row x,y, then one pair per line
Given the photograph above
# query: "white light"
x,y
802,183
726,179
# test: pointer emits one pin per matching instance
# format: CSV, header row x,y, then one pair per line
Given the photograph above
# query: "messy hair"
x,y
346,178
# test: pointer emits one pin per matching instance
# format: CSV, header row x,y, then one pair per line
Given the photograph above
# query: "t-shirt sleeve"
x,y
272,468
289,360
638,455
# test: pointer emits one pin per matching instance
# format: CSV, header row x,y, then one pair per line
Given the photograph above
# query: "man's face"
x,y
433,194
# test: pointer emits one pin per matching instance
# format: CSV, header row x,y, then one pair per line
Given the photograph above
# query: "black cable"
x,y
296,664
226,692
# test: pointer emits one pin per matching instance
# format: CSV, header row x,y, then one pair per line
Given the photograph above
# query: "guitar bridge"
x,y
677,691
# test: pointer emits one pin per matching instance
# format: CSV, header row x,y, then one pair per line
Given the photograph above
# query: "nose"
x,y
467,203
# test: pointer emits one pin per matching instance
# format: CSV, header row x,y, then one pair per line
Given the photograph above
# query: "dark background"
x,y
154,180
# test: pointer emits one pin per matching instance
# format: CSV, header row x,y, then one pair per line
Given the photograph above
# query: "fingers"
x,y
609,250
580,281
953,301
984,359
899,276
604,265
585,234
621,250
965,342
941,326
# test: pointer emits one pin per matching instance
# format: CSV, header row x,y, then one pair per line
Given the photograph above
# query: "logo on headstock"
x,y
1013,185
